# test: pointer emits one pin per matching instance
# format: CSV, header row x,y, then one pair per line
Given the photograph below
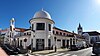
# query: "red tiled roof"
x,y
20,29
3,30
67,32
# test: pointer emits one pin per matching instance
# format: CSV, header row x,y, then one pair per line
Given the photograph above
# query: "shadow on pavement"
x,y
52,52
73,50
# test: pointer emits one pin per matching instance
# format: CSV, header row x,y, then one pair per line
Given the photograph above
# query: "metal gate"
x,y
39,44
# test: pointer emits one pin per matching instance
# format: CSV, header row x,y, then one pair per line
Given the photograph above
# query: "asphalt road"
x,y
82,52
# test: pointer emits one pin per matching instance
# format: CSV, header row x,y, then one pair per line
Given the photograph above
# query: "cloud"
x,y
91,30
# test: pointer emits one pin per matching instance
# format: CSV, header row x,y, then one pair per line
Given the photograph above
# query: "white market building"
x,y
42,34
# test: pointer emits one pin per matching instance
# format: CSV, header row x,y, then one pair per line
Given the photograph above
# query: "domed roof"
x,y
42,14
86,34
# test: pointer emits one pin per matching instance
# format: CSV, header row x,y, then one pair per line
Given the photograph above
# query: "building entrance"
x,y
49,43
39,44
63,43
67,43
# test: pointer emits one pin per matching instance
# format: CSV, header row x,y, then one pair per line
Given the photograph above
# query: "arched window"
x,y
60,33
53,32
49,27
57,32
63,34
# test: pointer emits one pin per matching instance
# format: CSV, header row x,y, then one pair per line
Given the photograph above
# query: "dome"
x,y
42,14
86,35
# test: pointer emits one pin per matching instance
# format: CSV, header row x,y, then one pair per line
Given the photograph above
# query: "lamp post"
x,y
55,44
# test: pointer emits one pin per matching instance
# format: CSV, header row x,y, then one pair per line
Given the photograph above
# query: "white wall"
x,y
42,34
59,43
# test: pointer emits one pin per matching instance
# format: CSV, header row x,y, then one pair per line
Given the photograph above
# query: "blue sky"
x,y
67,14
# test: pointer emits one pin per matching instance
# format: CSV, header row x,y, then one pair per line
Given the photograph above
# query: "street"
x,y
82,52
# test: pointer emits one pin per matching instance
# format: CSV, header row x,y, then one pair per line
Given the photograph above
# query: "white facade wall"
x,y
42,34
59,43
24,44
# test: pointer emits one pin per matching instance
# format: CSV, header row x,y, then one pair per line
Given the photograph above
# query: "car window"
x,y
96,45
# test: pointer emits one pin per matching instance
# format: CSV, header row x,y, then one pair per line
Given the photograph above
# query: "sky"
x,y
67,14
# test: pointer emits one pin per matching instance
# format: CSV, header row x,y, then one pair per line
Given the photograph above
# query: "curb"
x,y
49,51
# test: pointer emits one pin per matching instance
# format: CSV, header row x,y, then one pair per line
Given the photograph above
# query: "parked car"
x,y
8,50
74,47
96,48
15,49
82,44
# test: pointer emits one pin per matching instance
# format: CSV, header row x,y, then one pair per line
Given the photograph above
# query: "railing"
x,y
22,35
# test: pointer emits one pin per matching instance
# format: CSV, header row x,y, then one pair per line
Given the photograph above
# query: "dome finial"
x,y
12,20
42,9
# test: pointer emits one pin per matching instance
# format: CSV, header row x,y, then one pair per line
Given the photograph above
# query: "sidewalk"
x,y
49,51
2,52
